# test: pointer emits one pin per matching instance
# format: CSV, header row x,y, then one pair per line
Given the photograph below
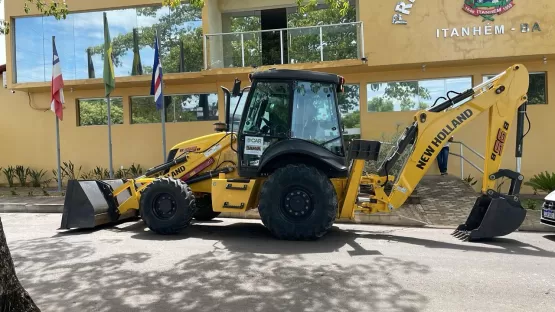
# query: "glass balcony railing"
x,y
284,46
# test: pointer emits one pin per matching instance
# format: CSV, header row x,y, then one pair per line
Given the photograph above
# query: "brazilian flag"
x,y
108,77
137,66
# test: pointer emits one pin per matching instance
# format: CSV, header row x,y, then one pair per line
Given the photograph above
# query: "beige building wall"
x,y
393,52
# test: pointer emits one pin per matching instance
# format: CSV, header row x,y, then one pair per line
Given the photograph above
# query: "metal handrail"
x,y
360,48
463,159
281,29
470,148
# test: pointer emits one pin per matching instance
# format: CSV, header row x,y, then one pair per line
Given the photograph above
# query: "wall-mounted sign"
x,y
401,8
486,30
487,8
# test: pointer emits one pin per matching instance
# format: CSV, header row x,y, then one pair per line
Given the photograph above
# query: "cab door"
x,y
267,120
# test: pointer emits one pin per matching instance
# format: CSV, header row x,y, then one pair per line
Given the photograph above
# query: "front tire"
x,y
167,206
298,202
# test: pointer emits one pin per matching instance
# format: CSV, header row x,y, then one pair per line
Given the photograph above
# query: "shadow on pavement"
x,y
233,236
64,276
508,245
550,237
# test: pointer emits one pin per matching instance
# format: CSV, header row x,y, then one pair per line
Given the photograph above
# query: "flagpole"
x,y
163,125
58,153
110,137
109,80
58,140
163,103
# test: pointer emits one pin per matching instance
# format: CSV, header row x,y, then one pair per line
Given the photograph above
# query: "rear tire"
x,y
167,206
204,209
298,202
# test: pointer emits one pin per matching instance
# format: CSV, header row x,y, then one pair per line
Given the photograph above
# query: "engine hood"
x,y
551,196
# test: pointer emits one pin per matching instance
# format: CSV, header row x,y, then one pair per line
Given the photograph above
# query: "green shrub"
x,y
101,173
22,174
10,175
121,173
37,177
55,174
532,204
69,170
470,180
543,181
88,175
135,171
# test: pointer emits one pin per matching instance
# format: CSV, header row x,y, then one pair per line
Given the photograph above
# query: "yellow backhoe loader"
x,y
284,153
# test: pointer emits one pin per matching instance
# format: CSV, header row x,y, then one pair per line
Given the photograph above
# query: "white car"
x,y
548,210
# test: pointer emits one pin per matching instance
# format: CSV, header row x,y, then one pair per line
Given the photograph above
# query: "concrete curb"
x,y
531,224
30,208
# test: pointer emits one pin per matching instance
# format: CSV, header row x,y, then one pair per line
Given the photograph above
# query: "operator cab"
x,y
288,116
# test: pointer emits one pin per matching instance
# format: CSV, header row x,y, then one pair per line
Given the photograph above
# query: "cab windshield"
x,y
314,113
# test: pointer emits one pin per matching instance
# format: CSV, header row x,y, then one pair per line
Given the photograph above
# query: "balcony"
x,y
319,43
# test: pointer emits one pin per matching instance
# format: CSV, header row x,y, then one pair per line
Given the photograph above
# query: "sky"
x,y
73,36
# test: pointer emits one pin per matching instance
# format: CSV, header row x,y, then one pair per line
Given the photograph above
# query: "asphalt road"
x,y
234,265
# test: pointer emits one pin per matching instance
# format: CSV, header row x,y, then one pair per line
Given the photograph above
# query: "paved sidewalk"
x,y
440,201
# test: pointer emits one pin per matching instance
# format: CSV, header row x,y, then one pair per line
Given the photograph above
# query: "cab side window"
x,y
315,116
268,113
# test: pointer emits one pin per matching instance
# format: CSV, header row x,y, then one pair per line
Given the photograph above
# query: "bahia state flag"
x,y
57,87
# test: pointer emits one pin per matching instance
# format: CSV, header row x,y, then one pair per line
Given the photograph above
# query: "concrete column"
x,y
214,43
227,51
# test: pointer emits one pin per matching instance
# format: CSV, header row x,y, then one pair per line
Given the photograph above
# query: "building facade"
x,y
397,57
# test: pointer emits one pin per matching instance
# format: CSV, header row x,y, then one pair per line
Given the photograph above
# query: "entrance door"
x,y
271,44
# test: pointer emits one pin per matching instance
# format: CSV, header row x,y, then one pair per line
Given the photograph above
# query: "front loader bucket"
x,y
491,217
91,203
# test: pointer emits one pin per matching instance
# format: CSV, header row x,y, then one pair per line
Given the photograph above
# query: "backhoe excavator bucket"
x,y
491,217
90,203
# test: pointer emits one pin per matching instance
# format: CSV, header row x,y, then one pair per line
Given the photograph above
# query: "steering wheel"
x,y
268,123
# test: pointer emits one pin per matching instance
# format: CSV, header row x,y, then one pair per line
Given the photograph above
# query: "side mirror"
x,y
236,87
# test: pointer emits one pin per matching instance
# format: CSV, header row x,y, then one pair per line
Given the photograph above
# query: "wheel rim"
x,y
164,206
297,204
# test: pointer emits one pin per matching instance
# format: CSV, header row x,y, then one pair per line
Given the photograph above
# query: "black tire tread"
x,y
280,228
185,191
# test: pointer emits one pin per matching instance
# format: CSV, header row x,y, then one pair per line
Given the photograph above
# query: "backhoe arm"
x,y
500,97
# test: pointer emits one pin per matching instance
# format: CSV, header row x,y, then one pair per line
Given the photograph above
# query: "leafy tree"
x,y
380,104
349,99
94,112
404,92
170,39
536,89
56,8
352,120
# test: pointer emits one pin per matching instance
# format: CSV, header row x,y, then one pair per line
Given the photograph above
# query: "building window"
x,y
349,108
237,107
414,95
94,112
80,42
179,108
537,88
